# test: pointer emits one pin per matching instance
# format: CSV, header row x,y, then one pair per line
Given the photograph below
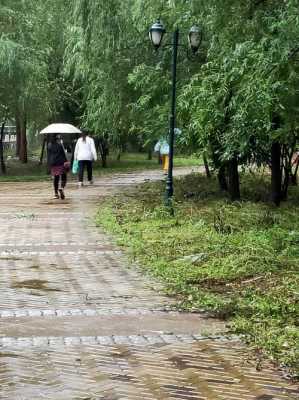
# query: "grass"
x,y
129,162
18,172
239,260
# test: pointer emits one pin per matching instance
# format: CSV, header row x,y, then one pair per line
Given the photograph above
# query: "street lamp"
x,y
156,34
194,38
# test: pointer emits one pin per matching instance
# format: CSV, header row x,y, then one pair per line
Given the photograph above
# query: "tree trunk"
x,y
104,160
294,175
3,166
150,154
276,173
18,135
233,179
42,151
23,142
104,151
285,184
207,169
286,166
222,178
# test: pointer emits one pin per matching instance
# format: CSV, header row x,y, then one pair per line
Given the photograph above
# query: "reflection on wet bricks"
x,y
127,371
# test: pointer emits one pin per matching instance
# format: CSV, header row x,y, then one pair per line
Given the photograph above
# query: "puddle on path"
x,y
60,203
36,284
181,392
178,362
121,352
9,355
34,267
123,378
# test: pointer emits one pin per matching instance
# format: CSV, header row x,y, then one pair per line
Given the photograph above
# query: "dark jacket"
x,y
56,154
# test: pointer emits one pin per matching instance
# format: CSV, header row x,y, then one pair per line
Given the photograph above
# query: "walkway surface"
x,y
78,322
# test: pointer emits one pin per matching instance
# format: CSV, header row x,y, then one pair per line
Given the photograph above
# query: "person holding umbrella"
x,y
58,165
57,159
85,154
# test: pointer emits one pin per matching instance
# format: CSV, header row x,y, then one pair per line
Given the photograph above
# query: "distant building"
x,y
10,137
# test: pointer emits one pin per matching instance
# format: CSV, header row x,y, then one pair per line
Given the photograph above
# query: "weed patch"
x,y
238,260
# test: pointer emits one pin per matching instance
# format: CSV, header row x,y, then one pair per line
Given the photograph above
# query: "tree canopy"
x,y
92,62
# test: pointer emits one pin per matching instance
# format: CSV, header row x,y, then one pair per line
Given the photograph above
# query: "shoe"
x,y
56,196
80,184
61,192
90,182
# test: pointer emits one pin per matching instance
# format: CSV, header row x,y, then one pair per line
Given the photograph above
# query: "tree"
x,y
93,65
241,89
29,52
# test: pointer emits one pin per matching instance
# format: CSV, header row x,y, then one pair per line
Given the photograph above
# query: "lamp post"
x,y
156,34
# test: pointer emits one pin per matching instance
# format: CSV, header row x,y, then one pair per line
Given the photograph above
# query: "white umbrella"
x,y
60,128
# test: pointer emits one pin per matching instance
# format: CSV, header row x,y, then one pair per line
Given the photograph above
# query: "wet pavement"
x,y
77,321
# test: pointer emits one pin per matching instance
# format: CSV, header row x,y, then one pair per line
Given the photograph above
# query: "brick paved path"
x,y
76,322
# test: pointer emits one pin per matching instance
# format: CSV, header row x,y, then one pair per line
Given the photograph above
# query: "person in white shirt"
x,y
85,154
